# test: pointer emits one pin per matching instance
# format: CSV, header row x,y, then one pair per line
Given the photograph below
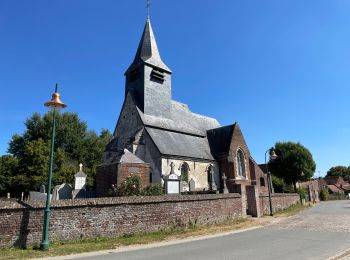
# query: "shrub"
x,y
153,190
302,193
130,187
324,194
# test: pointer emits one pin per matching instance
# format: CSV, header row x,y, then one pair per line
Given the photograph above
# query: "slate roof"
x,y
179,144
124,156
182,134
80,174
220,139
182,120
147,51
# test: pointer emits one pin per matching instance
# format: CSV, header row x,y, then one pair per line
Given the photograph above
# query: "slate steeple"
x,y
148,79
147,51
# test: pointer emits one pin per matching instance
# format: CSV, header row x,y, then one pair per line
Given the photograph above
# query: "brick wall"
x,y
21,222
126,169
279,201
116,173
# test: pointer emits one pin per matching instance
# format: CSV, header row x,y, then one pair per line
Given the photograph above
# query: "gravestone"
x,y
63,192
172,182
192,185
184,186
212,184
42,188
80,179
224,178
79,184
35,195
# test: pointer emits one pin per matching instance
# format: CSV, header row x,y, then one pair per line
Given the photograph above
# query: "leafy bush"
x,y
132,187
153,190
324,194
302,193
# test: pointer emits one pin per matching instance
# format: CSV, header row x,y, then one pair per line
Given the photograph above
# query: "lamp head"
x,y
55,101
273,154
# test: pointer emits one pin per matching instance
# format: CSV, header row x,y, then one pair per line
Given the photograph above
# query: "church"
x,y
156,135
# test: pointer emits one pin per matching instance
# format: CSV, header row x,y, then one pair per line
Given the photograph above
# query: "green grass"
x,y
104,243
292,210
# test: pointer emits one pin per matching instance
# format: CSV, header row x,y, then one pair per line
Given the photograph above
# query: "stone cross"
x,y
224,178
212,184
172,166
80,167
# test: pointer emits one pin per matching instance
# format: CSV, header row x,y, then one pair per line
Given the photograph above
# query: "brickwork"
x,y
117,173
142,170
253,201
106,176
228,164
279,201
21,223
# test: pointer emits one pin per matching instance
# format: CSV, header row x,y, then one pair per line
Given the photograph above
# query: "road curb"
x,y
147,246
340,255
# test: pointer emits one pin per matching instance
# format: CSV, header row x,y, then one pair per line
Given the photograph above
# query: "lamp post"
x,y
273,156
55,104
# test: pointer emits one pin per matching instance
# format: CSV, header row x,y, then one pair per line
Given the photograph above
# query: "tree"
x,y
8,168
294,163
341,171
74,144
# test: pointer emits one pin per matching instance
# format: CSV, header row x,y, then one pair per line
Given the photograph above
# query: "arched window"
x,y
262,182
241,164
184,172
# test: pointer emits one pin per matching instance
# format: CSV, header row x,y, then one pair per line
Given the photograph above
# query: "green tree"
x,y
294,163
74,144
341,171
8,168
33,165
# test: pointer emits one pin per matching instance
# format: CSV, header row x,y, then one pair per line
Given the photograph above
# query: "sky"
x,y
280,68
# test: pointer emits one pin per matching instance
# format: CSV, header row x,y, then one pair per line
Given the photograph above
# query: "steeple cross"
x,y
81,167
148,6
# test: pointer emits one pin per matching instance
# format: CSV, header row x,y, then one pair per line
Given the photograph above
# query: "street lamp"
x,y
273,156
55,104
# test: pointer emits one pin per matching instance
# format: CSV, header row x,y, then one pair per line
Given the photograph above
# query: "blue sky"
x,y
280,68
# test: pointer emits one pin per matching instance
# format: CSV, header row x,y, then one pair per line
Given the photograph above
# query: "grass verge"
x,y
292,210
104,243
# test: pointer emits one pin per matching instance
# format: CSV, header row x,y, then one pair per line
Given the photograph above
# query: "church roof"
x,y
180,144
220,139
147,51
181,119
129,157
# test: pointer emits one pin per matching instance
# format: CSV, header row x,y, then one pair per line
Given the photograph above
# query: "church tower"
x,y
148,78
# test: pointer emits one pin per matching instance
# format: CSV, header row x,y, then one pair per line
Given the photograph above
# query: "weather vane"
x,y
148,5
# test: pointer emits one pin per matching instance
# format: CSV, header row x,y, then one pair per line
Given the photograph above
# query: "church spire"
x,y
147,51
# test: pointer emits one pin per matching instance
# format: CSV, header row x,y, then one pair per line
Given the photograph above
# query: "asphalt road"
x,y
318,233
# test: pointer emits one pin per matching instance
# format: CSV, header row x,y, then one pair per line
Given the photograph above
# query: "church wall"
x,y
129,123
197,171
153,157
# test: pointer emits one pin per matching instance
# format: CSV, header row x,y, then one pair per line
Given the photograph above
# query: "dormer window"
x,y
157,74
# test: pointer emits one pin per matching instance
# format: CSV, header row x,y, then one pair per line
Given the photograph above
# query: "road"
x,y
317,233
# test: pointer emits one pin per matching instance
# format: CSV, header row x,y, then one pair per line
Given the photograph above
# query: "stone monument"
x,y
172,182
79,184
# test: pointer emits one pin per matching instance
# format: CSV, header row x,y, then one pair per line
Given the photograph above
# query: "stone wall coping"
x,y
6,205
280,195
